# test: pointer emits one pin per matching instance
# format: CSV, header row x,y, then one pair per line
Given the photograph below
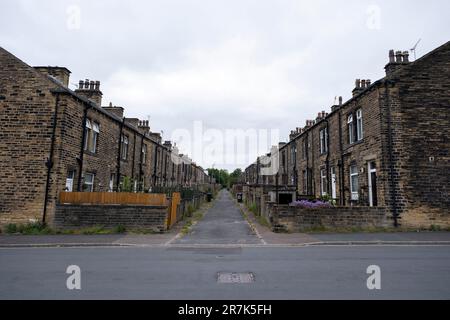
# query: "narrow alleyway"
x,y
222,224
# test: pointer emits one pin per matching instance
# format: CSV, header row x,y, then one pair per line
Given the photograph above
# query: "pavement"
x,y
226,257
224,225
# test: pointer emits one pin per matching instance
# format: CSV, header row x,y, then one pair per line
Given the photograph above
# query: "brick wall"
x,y
26,116
421,126
110,216
292,219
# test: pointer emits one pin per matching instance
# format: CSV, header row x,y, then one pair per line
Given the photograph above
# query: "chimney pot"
x,y
406,56
91,85
398,57
368,82
363,84
81,84
86,84
97,85
358,83
340,101
391,56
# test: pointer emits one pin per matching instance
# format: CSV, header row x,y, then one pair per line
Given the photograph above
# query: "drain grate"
x,y
235,277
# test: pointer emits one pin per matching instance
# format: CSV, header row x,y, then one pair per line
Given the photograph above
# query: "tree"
x,y
235,176
221,176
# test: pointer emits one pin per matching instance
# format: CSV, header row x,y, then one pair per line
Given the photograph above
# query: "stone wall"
x,y
293,219
109,216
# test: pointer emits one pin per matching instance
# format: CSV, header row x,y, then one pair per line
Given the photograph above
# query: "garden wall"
x,y
295,219
73,216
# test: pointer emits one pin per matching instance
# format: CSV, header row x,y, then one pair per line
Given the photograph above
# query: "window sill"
x,y
349,146
90,153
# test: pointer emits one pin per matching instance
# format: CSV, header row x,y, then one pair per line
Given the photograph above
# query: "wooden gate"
x,y
176,200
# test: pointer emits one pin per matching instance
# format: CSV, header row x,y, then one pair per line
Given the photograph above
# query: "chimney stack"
x,y
117,111
61,74
397,59
90,90
144,127
360,86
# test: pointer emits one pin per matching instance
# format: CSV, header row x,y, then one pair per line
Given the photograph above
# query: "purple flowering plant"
x,y
311,204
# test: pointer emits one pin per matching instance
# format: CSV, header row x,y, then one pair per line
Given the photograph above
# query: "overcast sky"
x,y
260,64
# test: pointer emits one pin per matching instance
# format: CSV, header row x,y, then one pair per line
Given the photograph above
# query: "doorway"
x,y
372,172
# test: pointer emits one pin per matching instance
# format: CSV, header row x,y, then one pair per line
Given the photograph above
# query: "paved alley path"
x,y
222,224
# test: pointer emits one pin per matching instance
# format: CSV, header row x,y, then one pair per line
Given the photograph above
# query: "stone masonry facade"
x,y
54,139
388,146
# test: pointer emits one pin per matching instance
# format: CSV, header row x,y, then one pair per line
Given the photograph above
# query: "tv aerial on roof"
x,y
414,48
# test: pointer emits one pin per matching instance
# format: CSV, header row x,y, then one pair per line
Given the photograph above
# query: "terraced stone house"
x,y
53,139
388,146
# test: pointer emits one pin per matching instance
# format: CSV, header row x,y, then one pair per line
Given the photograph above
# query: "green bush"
x,y
11,228
94,230
435,228
253,208
32,228
120,229
190,210
127,185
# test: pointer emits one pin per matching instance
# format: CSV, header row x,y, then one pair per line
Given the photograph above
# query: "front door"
x,y
372,172
333,183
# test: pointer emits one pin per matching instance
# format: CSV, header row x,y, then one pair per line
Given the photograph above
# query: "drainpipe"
x,y
327,161
341,169
306,146
155,166
49,164
165,169
134,157
141,163
83,138
395,213
119,154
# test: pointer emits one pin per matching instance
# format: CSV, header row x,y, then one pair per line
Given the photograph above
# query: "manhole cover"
x,y
235,277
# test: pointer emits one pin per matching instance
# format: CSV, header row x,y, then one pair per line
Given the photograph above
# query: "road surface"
x,y
223,248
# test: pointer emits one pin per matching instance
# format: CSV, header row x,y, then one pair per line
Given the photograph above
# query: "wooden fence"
x,y
113,198
172,218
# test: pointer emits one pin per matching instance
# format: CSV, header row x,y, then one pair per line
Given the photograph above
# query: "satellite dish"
x,y
414,48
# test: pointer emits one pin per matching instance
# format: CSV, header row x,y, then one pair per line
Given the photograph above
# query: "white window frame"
x,y
324,140
323,182
87,134
144,154
95,134
359,125
69,180
350,125
91,183
354,187
125,143
112,180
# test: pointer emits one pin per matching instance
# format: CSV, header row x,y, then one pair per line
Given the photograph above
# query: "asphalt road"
x,y
188,269
223,224
191,273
